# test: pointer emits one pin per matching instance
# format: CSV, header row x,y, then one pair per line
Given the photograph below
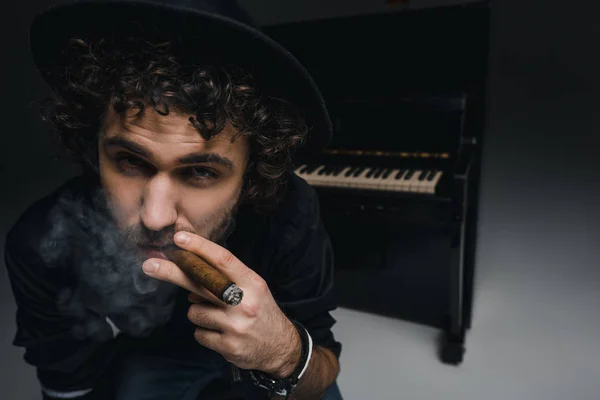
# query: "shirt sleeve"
x,y
67,367
303,268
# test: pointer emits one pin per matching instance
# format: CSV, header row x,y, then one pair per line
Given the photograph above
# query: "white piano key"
x,y
314,178
328,180
396,184
341,180
297,170
404,182
430,185
361,182
346,180
420,184
380,181
390,182
413,182
371,182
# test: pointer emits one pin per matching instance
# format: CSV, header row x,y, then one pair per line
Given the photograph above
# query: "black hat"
x,y
222,22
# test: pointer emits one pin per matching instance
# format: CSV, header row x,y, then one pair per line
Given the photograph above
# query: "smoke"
x,y
107,279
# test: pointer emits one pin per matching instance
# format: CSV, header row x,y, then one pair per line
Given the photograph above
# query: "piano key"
x,y
340,169
390,182
429,186
371,178
340,180
383,182
315,175
362,181
415,183
359,171
350,171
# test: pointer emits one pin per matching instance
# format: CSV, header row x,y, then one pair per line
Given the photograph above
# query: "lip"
x,y
153,252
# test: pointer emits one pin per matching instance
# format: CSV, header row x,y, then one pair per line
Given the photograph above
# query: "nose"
x,y
158,204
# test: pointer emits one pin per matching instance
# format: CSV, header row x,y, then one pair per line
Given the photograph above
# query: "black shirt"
x,y
73,346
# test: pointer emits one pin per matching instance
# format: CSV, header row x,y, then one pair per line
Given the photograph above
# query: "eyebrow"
x,y
194,158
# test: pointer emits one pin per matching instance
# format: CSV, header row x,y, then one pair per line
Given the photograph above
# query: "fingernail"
x,y
150,266
182,238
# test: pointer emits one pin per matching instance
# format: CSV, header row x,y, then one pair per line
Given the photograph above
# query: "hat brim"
x,y
273,66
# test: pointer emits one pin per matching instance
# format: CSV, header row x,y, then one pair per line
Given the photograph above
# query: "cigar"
x,y
200,272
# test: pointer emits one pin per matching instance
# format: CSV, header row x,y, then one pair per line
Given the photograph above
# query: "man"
x,y
184,118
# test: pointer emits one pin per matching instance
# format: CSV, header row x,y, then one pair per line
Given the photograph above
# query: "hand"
x,y
255,334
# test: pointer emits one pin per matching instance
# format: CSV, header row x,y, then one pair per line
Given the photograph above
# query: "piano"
x,y
357,162
399,183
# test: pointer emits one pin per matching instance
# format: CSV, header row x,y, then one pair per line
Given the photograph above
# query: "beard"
x,y
105,263
217,229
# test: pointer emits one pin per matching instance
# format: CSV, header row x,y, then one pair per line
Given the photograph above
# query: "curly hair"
x,y
139,73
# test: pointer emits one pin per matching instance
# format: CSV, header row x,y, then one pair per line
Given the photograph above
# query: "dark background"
x,y
536,332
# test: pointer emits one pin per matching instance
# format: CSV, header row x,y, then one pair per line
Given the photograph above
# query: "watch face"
x,y
280,387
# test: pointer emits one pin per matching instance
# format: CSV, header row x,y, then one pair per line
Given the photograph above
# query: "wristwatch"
x,y
285,386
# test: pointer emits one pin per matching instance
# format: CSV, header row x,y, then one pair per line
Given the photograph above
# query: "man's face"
x,y
160,177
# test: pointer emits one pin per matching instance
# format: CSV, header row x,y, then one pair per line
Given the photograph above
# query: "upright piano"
x,y
399,183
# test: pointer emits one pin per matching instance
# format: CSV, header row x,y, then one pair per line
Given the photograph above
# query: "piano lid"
x,y
437,50
396,81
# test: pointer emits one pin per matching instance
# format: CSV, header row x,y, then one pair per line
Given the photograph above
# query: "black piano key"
x,y
322,171
409,174
350,171
431,175
399,174
329,171
386,173
359,171
304,169
370,173
422,175
312,168
337,170
378,173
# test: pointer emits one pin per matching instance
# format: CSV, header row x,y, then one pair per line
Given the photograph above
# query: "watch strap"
x,y
286,386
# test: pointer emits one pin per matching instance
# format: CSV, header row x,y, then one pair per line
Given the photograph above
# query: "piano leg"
x,y
452,346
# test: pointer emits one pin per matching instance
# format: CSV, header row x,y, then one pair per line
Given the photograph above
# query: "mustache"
x,y
142,236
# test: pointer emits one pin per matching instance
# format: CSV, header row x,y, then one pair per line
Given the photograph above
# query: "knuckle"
x,y
236,350
227,258
261,285
250,309
239,328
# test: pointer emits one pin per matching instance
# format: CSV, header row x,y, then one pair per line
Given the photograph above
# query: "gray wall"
x,y
539,222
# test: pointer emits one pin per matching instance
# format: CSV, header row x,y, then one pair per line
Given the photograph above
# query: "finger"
x,y
208,338
218,257
203,295
197,299
207,316
168,271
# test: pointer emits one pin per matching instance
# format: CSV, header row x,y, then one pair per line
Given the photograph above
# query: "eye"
x,y
127,162
202,173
